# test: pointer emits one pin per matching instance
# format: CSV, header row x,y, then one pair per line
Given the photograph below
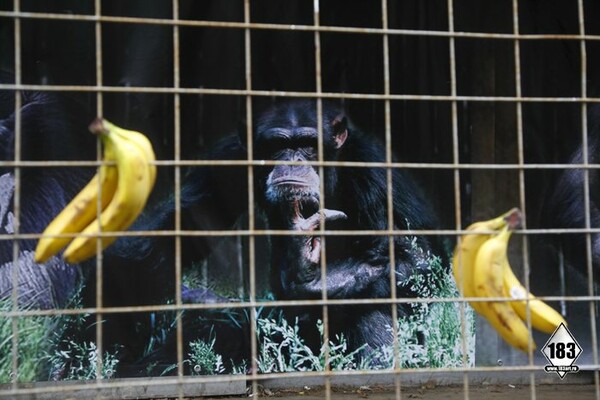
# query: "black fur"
x,y
565,206
52,128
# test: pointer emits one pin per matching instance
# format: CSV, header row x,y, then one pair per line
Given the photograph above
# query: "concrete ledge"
x,y
135,388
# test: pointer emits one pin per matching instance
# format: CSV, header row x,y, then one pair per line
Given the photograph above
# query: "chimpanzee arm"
x,y
348,278
205,203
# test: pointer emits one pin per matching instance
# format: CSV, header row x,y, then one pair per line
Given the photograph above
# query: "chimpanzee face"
x,y
293,183
290,134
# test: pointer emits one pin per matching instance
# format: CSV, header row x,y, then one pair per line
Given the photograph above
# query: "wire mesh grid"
x,y
181,384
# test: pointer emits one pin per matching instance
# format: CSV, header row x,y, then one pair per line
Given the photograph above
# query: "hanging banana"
x,y
543,317
81,211
463,260
488,282
482,270
125,182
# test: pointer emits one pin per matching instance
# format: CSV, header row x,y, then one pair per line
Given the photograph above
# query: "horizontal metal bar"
x,y
274,232
280,93
348,164
274,303
130,388
292,27
26,389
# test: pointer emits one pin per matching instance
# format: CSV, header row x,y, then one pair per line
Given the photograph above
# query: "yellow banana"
x,y
136,137
488,281
543,317
463,260
80,211
134,186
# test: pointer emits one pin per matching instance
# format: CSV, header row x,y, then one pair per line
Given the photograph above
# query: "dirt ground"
x,y
482,392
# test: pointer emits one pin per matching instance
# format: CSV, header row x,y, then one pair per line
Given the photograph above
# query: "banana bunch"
x,y
481,269
121,188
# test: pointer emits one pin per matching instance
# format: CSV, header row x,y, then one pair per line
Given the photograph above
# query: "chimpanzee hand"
x,y
303,252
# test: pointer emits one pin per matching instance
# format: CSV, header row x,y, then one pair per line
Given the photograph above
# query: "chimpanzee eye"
x,y
276,145
272,147
307,143
309,151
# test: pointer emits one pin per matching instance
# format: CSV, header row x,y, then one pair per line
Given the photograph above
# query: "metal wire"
x,y
294,94
586,194
321,157
390,202
251,200
268,232
275,303
521,172
177,181
16,204
287,27
99,260
353,164
456,176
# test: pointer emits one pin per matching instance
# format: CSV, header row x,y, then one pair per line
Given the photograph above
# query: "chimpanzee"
x,y
358,267
355,198
52,128
565,207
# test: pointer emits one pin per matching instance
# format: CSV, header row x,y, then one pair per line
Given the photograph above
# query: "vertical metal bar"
x,y
390,197
456,175
320,151
563,282
177,178
240,267
521,172
99,264
586,192
251,214
16,200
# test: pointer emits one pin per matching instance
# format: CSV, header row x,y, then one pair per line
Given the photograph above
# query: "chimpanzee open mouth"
x,y
298,192
306,206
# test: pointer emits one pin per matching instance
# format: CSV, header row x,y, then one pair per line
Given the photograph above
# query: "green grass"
x,y
439,322
32,342
203,359
47,351
79,361
281,349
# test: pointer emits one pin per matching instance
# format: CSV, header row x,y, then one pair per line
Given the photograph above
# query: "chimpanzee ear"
x,y
339,128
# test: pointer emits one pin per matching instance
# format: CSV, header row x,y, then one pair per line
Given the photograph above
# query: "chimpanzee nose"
x,y
297,156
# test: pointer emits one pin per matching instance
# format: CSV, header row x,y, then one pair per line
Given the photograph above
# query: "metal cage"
x,y
484,103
